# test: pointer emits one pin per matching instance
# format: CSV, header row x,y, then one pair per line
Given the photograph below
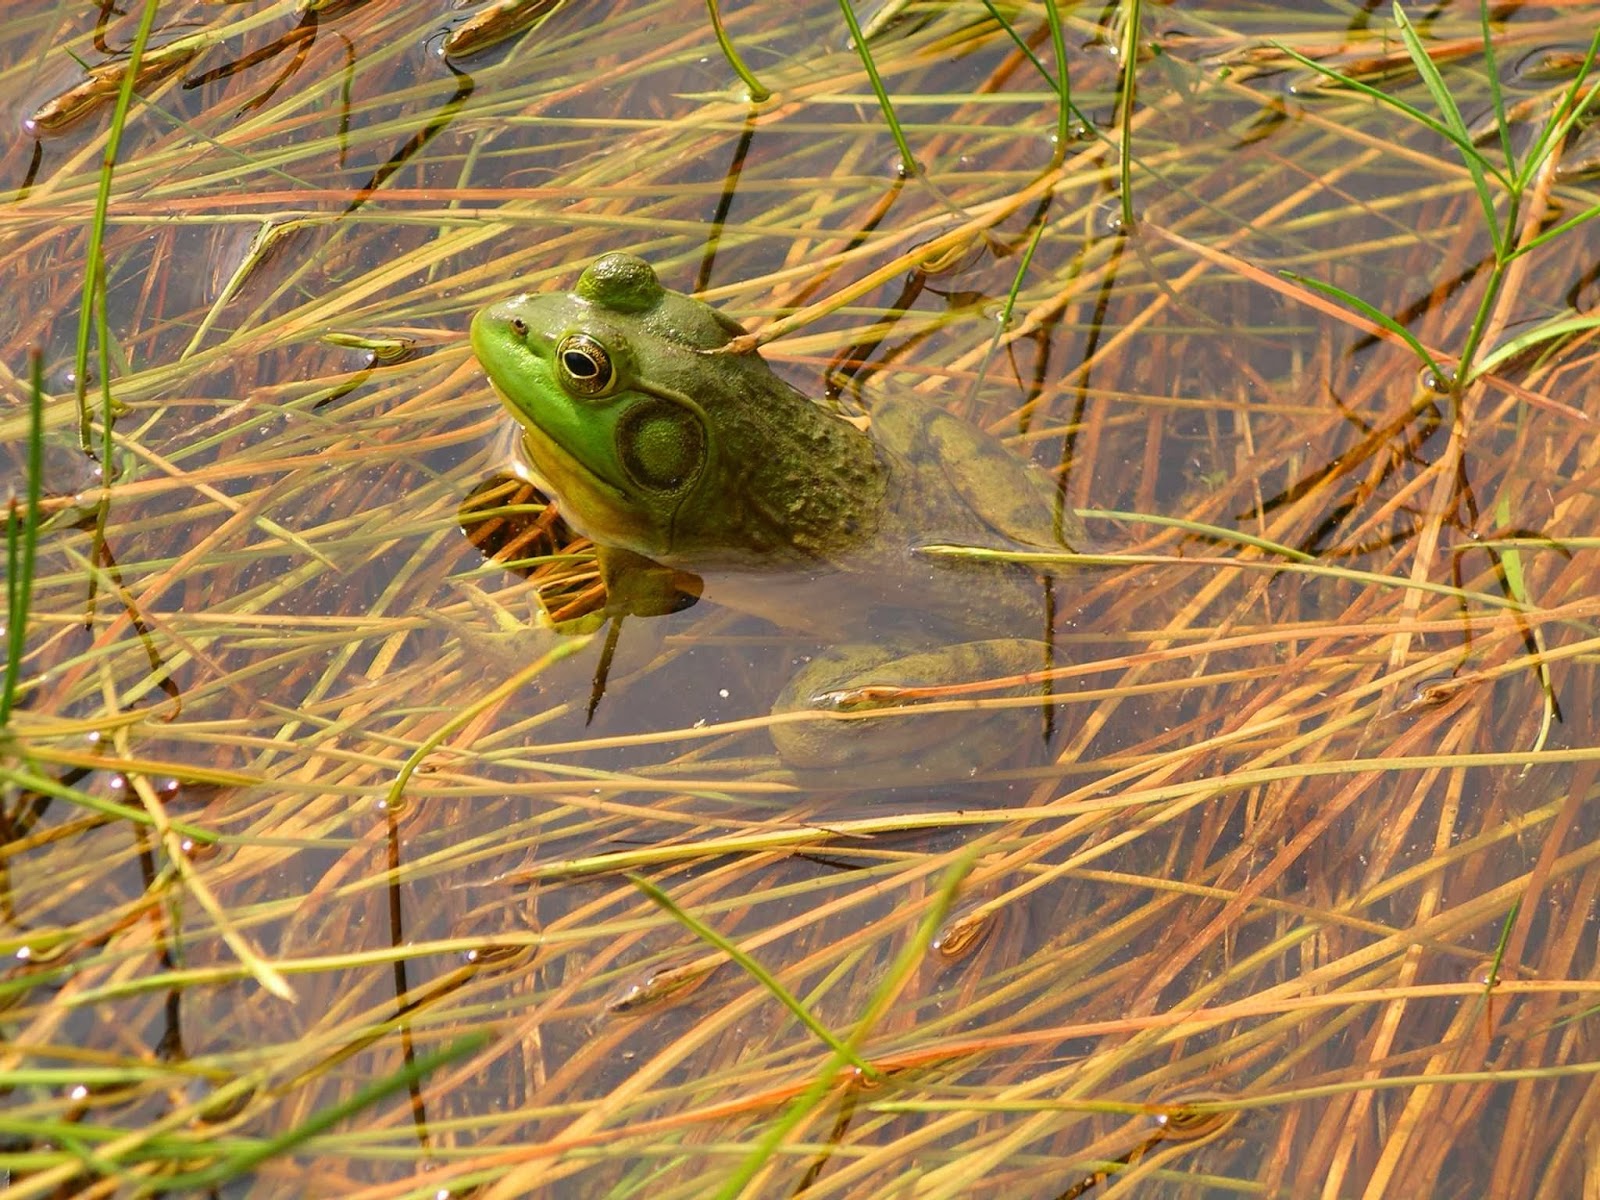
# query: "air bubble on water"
x,y
900,169
1431,381
1108,219
197,851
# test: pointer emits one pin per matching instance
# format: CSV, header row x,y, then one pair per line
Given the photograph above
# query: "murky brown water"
x,y
1264,849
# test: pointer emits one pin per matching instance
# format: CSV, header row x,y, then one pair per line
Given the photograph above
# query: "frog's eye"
x,y
583,366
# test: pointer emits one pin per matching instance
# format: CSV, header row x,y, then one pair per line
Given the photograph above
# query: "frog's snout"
x,y
503,316
501,328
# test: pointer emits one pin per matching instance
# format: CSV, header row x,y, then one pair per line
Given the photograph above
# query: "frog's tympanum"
x,y
685,459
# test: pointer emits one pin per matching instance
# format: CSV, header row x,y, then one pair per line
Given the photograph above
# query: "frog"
x,y
697,471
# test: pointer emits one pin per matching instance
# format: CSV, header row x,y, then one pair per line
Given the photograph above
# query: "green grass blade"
x,y
246,1158
22,542
1569,109
1130,83
1502,125
1550,235
1477,166
1057,80
1058,43
1517,588
900,970
761,975
1548,332
1377,316
1498,958
758,93
1215,532
908,164
1398,105
92,309
1429,71
28,781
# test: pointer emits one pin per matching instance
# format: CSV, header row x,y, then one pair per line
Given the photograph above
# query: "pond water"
x,y
316,836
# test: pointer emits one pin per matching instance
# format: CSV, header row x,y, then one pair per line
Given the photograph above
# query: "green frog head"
x,y
661,440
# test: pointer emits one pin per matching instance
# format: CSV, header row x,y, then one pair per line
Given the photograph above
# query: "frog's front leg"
x,y
637,586
896,685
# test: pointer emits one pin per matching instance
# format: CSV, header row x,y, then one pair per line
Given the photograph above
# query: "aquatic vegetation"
x,y
325,866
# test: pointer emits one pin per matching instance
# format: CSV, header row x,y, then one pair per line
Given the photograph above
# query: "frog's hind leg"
x,y
913,709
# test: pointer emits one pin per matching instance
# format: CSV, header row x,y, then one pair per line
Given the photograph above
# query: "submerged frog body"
x,y
692,466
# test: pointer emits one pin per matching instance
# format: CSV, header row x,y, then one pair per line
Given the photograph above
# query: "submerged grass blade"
x,y
562,649
41,785
908,163
1133,16
1516,582
1497,959
1046,558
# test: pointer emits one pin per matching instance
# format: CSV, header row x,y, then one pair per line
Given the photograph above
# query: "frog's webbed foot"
x,y
931,711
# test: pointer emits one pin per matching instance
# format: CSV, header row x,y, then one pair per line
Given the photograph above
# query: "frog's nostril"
x,y
519,327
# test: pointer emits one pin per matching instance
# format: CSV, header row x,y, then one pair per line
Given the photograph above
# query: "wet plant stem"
x,y
1465,372
758,93
1058,43
1130,72
908,164
1059,82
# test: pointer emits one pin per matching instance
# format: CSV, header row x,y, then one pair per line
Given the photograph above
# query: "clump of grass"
x,y
1504,193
